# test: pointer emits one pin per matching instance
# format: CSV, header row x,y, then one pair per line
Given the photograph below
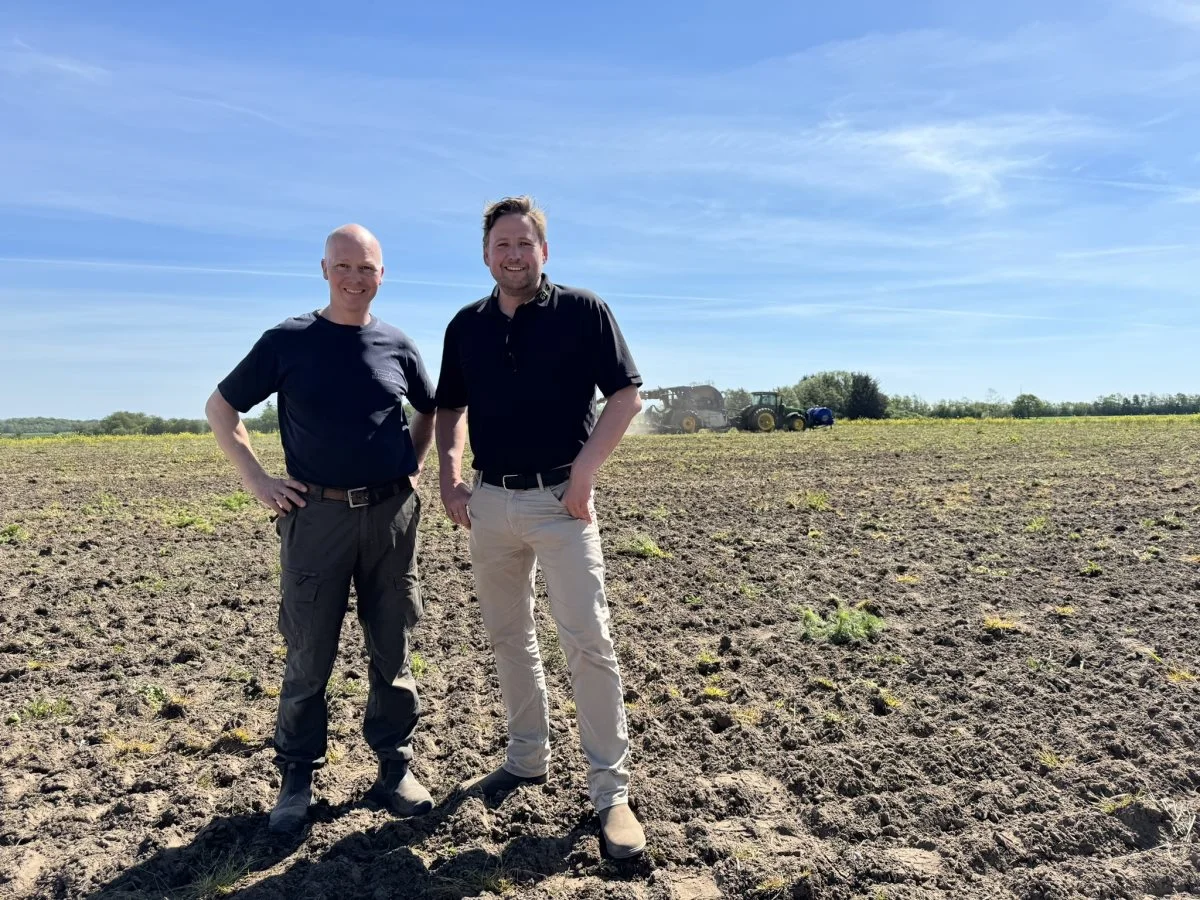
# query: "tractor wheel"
x,y
796,423
689,424
763,419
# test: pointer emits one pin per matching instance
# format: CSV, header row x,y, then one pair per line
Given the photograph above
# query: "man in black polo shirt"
x,y
349,510
526,362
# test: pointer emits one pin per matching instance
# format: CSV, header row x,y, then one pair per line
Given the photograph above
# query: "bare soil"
x,y
1023,725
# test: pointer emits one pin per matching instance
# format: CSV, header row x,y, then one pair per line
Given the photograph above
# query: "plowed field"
x,y
895,661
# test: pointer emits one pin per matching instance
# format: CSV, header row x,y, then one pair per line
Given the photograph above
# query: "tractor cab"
x,y
767,412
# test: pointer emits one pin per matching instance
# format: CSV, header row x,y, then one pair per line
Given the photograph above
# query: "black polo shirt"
x,y
529,382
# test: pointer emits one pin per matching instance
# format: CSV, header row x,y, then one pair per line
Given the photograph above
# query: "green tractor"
x,y
767,413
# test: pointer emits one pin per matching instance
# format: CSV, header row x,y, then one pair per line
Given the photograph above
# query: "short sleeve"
x,y
614,365
254,379
452,385
420,388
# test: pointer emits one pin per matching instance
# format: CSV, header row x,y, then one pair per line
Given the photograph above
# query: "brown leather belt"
x,y
363,496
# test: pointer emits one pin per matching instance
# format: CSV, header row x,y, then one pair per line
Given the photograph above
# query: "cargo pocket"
x,y
298,590
408,596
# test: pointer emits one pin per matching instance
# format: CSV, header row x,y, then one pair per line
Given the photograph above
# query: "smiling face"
x,y
353,266
515,254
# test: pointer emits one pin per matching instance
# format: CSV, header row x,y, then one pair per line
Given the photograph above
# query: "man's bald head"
x,y
353,266
355,234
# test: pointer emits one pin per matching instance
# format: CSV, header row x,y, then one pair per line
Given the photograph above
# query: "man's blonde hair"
x,y
519,206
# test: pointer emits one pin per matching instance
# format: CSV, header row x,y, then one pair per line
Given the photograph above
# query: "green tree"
x,y
908,406
44,425
830,389
123,422
788,396
266,421
1028,406
864,399
736,399
851,395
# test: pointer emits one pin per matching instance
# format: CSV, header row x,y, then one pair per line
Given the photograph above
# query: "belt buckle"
x,y
504,482
362,491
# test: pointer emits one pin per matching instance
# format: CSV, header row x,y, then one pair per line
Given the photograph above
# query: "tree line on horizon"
x,y
126,423
857,395
851,395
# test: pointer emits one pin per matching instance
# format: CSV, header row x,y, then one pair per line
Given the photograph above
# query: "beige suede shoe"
x,y
623,836
499,781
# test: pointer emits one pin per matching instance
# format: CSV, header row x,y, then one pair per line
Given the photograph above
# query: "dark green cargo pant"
x,y
323,546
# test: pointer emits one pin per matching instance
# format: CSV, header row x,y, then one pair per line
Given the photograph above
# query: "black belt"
x,y
526,482
363,496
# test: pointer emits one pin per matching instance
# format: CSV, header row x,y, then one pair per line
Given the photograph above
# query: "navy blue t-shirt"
x,y
341,390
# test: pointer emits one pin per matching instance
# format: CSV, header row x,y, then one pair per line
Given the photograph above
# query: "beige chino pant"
x,y
510,531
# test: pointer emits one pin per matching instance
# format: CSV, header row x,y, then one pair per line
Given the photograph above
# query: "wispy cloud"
x,y
930,187
52,263
239,110
143,136
977,156
1183,12
1136,250
21,60
315,275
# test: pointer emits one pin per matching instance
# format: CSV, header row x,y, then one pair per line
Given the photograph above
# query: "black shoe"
x,y
397,790
501,781
295,797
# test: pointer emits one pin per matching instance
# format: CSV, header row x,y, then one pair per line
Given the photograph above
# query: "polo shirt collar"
x,y
542,298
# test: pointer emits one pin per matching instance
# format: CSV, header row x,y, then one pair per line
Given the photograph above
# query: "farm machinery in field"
x,y
767,412
686,409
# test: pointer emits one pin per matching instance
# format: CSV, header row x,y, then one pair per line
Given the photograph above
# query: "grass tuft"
x,y
714,692
344,687
642,546
1048,759
218,875
818,501
1111,805
419,665
13,534
42,708
999,624
193,521
750,715
126,748
847,625
236,501
888,699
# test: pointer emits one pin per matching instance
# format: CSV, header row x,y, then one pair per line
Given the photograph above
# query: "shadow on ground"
x,y
380,862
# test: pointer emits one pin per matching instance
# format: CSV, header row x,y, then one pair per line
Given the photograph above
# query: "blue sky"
x,y
952,196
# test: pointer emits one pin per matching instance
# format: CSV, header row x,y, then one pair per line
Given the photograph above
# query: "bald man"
x,y
347,510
